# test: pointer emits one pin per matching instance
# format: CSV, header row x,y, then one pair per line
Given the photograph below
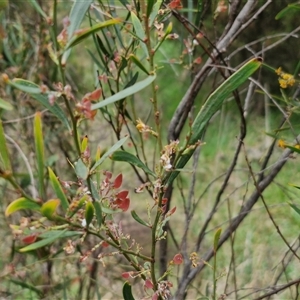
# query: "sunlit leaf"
x,y
49,208
21,203
79,37
125,93
5,105
43,242
58,189
131,159
39,150
217,238
116,146
89,213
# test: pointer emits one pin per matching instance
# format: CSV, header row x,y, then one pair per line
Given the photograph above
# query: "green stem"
x,y
63,80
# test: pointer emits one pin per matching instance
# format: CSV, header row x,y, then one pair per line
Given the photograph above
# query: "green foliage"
x,y
104,103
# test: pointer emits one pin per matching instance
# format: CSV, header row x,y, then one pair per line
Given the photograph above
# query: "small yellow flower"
x,y
282,144
140,126
285,79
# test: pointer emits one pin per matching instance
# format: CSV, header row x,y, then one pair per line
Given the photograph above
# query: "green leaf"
x,y
125,93
4,157
212,105
140,32
78,38
36,93
295,186
127,294
295,208
116,146
98,212
49,208
62,233
81,169
132,159
77,14
288,10
89,213
5,105
154,12
35,4
58,189
138,219
43,242
39,149
216,239
150,4
21,203
295,149
138,63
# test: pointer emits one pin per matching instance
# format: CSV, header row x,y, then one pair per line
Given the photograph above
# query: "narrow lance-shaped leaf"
x,y
89,213
140,32
77,14
116,146
138,63
4,157
35,4
40,157
43,242
216,239
131,159
58,189
98,212
21,203
125,93
35,92
81,36
295,208
212,105
154,12
138,219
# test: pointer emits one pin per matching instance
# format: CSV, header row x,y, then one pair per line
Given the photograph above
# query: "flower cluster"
x,y
141,127
168,151
285,79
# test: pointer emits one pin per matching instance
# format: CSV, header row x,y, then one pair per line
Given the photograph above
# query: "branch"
x,y
189,274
